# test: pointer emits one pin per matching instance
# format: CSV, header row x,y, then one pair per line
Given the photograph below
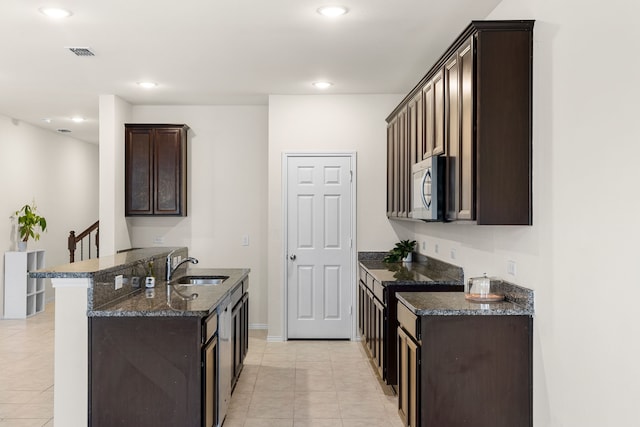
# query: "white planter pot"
x,y
22,246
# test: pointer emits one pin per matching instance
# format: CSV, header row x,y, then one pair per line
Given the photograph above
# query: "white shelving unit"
x,y
23,296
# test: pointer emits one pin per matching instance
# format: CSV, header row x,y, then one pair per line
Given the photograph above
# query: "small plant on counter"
x,y
400,251
29,221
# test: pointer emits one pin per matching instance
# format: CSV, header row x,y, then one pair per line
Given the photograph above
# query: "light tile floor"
x,y
26,371
309,384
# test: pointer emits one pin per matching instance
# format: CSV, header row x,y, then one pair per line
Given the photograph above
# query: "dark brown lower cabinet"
x,y
372,322
378,320
148,371
239,332
209,387
408,378
464,371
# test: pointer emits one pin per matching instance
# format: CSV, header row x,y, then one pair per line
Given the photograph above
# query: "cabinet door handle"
x,y
292,257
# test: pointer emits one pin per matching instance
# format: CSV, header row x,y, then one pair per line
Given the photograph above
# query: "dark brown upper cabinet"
x,y
477,111
155,170
459,133
415,122
399,152
433,117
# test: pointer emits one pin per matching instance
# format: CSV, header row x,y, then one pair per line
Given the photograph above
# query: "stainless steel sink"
x,y
201,280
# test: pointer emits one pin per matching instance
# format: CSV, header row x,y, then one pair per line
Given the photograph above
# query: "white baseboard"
x,y
275,338
258,326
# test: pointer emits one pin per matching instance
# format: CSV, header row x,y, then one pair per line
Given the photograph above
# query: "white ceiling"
x,y
213,52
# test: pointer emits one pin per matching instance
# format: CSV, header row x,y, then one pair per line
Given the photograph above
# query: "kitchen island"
x,y
102,305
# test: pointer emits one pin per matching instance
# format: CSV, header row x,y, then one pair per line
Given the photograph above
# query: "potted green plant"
x,y
30,224
401,252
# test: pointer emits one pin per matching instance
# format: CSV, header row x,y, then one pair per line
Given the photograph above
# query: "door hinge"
x,y
351,310
351,242
350,176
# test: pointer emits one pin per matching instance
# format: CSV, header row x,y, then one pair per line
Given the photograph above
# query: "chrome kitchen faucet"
x,y
170,270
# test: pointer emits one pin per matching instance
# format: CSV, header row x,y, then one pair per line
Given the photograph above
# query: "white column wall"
x,y
114,234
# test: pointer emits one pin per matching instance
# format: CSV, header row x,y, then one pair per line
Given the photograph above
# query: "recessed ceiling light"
x,y
332,11
46,120
322,85
147,85
77,119
55,12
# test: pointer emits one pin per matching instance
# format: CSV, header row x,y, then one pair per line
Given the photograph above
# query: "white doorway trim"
x,y
354,253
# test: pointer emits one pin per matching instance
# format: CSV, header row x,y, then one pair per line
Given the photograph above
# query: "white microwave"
x,y
427,201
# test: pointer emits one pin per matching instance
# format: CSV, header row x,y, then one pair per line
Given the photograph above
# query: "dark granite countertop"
x,y
153,302
423,270
455,304
89,268
133,299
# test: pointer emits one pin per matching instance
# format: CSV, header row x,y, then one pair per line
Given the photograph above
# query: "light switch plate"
x,y
511,268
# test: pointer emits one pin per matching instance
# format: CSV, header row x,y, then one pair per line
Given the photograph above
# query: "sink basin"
x,y
201,280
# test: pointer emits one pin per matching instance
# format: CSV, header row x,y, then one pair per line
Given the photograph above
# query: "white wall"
x,y
328,123
114,113
226,192
60,172
580,254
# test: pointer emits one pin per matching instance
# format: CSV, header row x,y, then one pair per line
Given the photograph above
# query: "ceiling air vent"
x,y
64,130
82,51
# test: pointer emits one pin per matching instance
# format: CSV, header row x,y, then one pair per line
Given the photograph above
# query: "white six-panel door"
x,y
319,239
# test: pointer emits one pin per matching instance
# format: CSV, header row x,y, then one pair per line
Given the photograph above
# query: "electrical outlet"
x,y
158,240
511,268
245,240
118,281
424,246
436,248
453,254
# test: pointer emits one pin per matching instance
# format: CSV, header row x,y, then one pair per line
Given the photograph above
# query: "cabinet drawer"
x,y
210,326
369,282
408,321
236,295
378,290
363,274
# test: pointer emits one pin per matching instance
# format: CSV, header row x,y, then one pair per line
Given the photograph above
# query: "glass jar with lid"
x,y
482,289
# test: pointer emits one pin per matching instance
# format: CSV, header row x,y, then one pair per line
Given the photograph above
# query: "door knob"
x,y
292,257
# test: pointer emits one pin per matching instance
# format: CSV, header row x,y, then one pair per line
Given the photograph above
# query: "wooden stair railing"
x,y
86,234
